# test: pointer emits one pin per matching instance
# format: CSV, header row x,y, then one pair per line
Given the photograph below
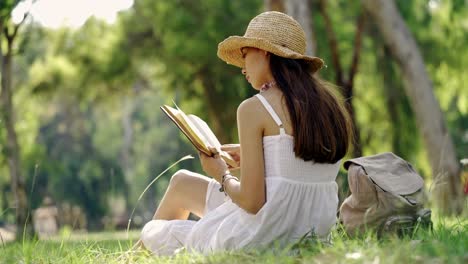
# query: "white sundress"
x,y
301,196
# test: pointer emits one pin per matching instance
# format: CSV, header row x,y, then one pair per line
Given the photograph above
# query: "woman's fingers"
x,y
230,147
233,170
215,152
214,165
233,150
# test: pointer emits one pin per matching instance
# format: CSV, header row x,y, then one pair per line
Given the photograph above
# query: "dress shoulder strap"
x,y
272,113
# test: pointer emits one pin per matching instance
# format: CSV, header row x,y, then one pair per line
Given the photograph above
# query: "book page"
x,y
187,127
205,131
198,132
212,140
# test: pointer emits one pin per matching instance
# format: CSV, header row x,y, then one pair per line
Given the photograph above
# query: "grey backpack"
x,y
387,195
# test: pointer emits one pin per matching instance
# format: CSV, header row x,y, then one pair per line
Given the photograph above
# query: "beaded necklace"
x,y
267,86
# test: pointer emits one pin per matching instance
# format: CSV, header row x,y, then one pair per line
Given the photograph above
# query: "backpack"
x,y
387,195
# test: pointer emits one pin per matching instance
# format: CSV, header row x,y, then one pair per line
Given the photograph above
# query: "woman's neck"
x,y
267,86
272,91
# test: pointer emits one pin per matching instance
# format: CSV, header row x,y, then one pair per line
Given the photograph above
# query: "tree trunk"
x,y
347,84
221,123
274,5
418,86
12,149
126,151
392,96
401,117
357,142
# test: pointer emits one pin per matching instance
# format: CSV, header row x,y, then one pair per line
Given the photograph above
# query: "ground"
x,y
447,243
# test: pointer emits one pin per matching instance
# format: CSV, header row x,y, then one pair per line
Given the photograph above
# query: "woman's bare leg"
x,y
186,193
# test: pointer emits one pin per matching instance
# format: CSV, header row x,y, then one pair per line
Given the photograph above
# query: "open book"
x,y
198,132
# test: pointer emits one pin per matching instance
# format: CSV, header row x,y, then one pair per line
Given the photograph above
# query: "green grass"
x,y
448,243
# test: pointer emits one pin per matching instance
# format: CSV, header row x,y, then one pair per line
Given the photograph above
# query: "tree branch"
x,y
357,47
6,31
11,37
1,30
1,26
333,44
274,5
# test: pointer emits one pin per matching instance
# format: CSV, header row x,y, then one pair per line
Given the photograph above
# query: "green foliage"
x,y
440,29
183,37
86,62
6,6
84,75
441,35
74,153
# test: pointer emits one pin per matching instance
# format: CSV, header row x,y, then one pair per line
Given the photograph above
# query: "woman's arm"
x,y
249,192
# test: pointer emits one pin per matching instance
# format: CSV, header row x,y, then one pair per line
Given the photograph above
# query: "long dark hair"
x,y
322,127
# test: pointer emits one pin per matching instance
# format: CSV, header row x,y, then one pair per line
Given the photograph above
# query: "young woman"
x,y
293,134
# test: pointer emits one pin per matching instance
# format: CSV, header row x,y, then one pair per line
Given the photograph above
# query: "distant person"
x,y
46,219
293,135
73,216
66,217
79,218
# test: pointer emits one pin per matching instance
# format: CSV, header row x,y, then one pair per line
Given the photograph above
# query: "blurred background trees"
x,y
86,100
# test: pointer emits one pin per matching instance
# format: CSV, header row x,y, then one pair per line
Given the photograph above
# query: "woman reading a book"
x,y
293,135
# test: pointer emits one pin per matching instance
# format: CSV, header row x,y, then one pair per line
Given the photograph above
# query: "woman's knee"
x,y
179,178
189,190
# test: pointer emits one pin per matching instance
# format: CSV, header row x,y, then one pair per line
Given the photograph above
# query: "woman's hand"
x,y
214,166
234,151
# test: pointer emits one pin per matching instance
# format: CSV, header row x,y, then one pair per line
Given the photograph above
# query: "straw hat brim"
x,y
229,51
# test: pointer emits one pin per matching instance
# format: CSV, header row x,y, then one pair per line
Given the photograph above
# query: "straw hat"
x,y
271,31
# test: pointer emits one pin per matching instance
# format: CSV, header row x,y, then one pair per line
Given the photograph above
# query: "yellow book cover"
x,y
198,132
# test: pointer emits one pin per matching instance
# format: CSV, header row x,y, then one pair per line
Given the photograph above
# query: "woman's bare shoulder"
x,y
251,109
249,106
